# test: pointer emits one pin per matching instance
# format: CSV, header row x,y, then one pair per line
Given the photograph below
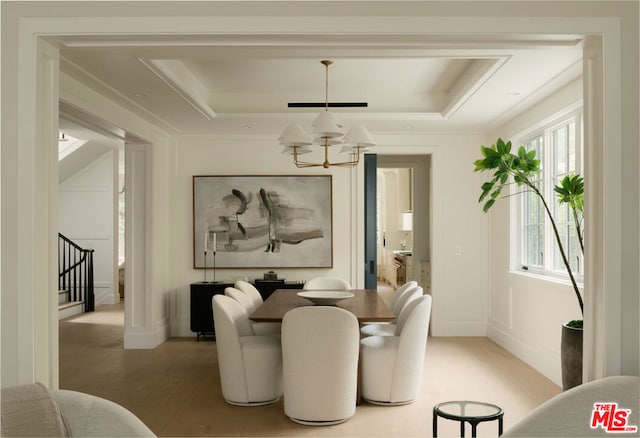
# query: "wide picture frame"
x,y
262,221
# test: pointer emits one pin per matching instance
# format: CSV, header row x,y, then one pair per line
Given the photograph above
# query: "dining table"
x,y
366,305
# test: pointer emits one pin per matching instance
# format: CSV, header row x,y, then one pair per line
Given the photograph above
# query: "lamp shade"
x,y
294,135
289,150
353,149
326,141
326,126
359,136
407,220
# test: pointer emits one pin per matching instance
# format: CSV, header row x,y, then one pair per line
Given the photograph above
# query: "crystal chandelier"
x,y
326,131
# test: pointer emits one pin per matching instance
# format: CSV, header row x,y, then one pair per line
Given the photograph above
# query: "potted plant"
x,y
522,168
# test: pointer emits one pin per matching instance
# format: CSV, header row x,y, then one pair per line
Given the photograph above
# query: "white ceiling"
x,y
242,84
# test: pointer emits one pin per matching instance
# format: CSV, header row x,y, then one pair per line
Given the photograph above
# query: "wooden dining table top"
x,y
366,305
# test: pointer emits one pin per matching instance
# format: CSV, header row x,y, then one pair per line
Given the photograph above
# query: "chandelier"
x,y
326,132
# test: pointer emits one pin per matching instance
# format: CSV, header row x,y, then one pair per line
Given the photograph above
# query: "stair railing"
x,y
75,268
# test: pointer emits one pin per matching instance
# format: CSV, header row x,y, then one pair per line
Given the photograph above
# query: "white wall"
x,y
459,300
459,264
392,203
87,216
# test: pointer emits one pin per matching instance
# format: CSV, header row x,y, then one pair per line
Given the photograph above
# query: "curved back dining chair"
x,y
403,297
240,297
393,328
399,294
392,366
407,311
327,283
408,285
250,366
259,328
251,291
320,364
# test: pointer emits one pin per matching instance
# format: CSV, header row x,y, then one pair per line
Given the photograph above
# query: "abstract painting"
x,y
255,221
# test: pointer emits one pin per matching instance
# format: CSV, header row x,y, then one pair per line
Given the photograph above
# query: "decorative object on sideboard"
x,y
210,236
271,275
262,221
327,131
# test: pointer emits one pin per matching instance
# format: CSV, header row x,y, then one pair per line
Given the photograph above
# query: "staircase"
x,y
66,307
75,282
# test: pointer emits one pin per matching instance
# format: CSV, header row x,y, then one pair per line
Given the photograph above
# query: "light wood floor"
x,y
175,388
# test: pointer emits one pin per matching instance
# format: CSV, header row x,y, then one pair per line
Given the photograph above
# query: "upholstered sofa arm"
x,y
569,414
33,410
29,410
89,416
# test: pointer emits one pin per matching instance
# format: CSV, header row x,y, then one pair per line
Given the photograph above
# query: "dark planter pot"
x,y
571,357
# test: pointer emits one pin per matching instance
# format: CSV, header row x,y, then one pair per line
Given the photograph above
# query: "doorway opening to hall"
x,y
403,227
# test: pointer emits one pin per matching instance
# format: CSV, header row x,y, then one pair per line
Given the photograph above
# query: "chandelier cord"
x,y
326,63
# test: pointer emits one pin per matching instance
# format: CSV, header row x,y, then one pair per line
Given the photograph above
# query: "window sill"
x,y
547,278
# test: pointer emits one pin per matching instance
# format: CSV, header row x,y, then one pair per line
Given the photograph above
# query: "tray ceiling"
x,y
230,84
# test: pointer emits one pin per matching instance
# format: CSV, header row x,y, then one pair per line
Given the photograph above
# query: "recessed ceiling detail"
x,y
434,86
180,79
215,84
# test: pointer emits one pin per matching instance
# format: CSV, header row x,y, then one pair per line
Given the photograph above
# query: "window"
x,y
559,148
533,217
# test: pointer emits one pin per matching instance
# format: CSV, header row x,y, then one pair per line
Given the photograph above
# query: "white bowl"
x,y
325,297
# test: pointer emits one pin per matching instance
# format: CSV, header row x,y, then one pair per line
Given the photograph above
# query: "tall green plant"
x,y
571,192
523,167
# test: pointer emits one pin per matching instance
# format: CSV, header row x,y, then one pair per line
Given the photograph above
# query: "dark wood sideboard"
x,y
202,293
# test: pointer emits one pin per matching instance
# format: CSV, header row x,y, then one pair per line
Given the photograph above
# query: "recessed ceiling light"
x,y
247,127
409,127
139,95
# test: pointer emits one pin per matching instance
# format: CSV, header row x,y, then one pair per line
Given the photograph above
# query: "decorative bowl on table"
x,y
325,297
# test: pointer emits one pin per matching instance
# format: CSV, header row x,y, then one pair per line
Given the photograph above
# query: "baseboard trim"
x,y
458,328
103,293
146,340
541,358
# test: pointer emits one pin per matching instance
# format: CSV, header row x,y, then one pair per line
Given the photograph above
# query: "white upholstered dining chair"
x,y
251,291
327,283
259,328
392,366
320,364
403,297
250,366
399,291
401,312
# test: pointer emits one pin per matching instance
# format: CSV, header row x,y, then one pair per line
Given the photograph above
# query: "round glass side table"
x,y
472,412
